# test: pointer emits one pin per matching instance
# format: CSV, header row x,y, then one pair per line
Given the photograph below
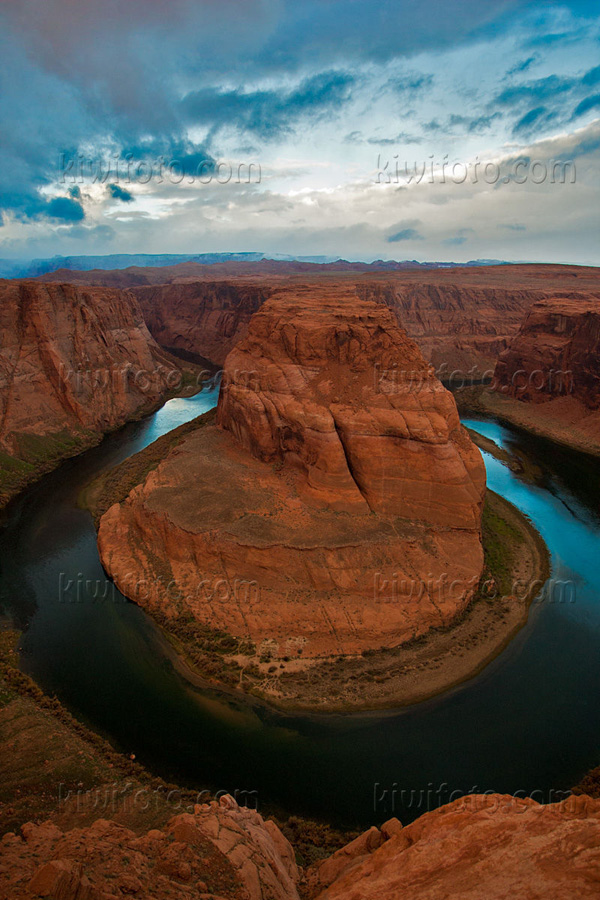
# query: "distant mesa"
x,y
335,488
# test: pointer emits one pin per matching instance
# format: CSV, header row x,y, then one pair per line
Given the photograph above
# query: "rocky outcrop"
x,y
75,362
331,384
480,847
555,354
324,511
548,380
219,851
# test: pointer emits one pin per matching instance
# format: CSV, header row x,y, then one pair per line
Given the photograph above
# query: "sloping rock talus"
x,y
218,851
74,362
334,508
480,847
552,368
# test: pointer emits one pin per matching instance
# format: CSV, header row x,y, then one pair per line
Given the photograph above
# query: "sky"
x,y
364,130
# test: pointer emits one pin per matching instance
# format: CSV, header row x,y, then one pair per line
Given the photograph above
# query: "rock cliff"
x,y
204,318
556,353
336,490
74,362
548,379
461,317
480,847
219,851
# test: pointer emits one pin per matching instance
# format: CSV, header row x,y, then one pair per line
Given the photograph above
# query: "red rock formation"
x,y
333,385
555,354
481,847
219,851
336,508
461,317
202,317
74,362
548,380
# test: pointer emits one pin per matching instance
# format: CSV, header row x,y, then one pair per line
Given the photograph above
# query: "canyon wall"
x,y
313,518
461,317
556,353
548,379
75,362
206,318
480,847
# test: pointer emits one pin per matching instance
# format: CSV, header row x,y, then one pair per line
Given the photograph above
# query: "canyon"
x,y
336,460
462,318
481,847
547,380
75,362
315,516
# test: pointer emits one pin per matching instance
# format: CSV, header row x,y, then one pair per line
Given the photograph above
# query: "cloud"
x,y
586,105
522,66
65,208
455,241
269,113
473,124
534,118
119,193
513,227
404,231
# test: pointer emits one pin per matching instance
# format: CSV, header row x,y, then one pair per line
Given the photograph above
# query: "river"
x,y
530,722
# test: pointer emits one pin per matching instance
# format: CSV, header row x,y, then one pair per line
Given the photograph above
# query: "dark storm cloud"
x,y
119,193
65,208
133,78
269,114
533,119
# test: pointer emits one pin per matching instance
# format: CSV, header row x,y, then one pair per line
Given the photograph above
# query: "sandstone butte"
x,y
481,847
552,366
461,317
336,486
75,362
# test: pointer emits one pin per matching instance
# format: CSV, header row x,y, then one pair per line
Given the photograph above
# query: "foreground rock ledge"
x,y
335,507
480,847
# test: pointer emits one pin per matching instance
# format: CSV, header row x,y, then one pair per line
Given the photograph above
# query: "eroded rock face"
x,y
73,360
555,354
461,317
482,847
201,317
332,385
333,509
220,851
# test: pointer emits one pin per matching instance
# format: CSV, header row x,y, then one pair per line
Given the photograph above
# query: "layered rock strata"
x,y
548,379
74,362
218,851
334,508
480,847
